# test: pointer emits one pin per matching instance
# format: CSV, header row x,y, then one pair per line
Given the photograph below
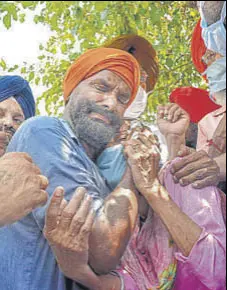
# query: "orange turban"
x,y
196,102
95,60
198,49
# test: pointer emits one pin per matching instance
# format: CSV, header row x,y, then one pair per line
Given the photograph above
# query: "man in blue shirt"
x,y
99,87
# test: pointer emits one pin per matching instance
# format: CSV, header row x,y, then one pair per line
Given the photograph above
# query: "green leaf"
x,y
3,63
31,76
100,5
7,20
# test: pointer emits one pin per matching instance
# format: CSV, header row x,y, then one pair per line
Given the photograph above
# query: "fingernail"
x,y
175,179
59,192
196,185
180,153
181,182
89,198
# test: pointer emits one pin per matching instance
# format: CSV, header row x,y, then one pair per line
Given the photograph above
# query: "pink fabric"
x,y
153,260
207,128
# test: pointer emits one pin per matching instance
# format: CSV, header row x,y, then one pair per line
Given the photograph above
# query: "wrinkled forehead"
x,y
10,105
110,78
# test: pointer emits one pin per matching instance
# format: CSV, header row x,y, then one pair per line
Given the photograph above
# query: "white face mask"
x,y
214,35
216,75
138,106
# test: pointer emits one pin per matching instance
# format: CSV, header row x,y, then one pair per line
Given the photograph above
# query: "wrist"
x,y
86,277
174,143
156,195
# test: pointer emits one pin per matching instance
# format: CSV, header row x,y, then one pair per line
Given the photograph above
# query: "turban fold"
x,y
144,53
198,49
17,87
196,102
95,60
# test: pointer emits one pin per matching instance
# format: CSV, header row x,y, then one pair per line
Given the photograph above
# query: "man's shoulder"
x,y
41,122
38,130
42,125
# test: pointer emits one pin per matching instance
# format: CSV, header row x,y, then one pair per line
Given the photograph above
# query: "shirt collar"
x,y
69,130
220,111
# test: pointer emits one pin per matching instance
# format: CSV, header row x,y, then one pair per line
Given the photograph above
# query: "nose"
x,y
7,121
110,102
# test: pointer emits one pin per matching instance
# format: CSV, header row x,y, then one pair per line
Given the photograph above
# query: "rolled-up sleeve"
x,y
205,267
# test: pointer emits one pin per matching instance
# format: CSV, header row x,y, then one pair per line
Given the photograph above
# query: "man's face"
x,y
96,109
11,117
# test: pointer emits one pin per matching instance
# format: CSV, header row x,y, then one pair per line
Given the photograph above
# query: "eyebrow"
x,y
15,114
102,82
18,115
108,84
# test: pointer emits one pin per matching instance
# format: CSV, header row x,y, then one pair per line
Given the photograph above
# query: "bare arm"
x,y
174,144
183,230
68,227
113,227
173,123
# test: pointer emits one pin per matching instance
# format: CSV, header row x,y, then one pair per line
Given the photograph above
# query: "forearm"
x,y
113,229
221,161
183,230
94,282
174,143
109,282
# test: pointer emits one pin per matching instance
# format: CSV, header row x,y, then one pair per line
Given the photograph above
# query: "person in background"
x,y
19,177
16,105
209,56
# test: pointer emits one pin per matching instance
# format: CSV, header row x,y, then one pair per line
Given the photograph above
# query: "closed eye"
x,y
101,88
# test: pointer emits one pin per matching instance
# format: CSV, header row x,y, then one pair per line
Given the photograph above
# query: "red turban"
x,y
194,101
95,60
198,49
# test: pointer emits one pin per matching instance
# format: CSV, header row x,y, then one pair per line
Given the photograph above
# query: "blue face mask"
x,y
216,75
112,165
214,35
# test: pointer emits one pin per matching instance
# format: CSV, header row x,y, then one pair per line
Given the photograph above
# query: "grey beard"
x,y
96,134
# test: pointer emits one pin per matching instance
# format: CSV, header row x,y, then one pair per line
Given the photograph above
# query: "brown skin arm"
x,y
68,227
173,123
113,227
197,168
20,178
144,165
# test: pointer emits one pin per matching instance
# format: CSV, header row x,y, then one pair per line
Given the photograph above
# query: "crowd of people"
x,y
99,200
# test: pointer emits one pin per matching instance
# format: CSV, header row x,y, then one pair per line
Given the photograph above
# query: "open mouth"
x,y
100,118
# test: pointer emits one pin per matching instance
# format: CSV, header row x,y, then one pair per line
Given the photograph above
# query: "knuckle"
x,y
85,230
80,221
67,214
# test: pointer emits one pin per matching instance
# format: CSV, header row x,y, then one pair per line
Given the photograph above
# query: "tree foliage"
x,y
80,25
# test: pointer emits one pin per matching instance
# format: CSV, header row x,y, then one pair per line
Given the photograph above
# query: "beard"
x,y
94,132
6,134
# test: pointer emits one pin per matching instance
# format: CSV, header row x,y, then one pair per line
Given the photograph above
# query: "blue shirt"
x,y
26,260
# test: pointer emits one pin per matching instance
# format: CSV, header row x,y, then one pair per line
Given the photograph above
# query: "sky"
x,y
21,44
